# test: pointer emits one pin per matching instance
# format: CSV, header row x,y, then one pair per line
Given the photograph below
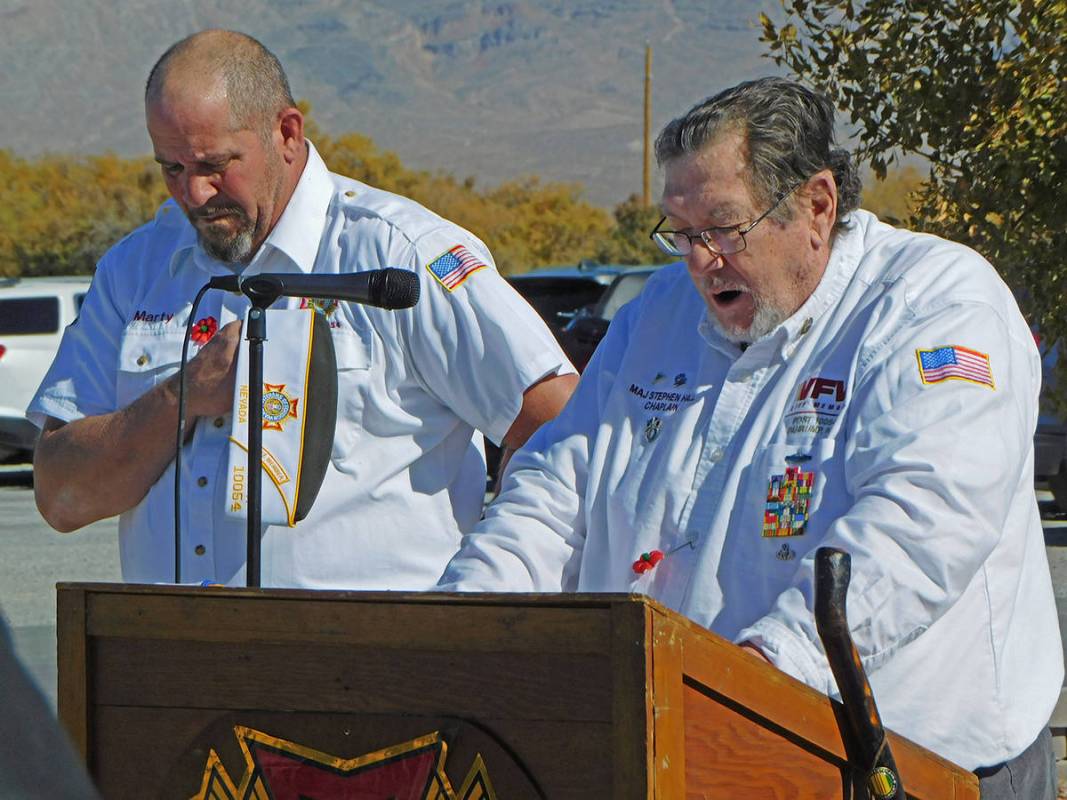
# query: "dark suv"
x,y
585,330
558,294
578,302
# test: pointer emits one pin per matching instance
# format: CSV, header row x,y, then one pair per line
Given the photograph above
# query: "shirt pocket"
x,y
146,359
355,355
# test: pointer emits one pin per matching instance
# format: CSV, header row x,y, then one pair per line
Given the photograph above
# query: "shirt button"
x,y
716,454
200,550
201,481
219,422
142,360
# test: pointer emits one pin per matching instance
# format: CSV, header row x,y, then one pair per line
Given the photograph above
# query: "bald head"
x,y
223,65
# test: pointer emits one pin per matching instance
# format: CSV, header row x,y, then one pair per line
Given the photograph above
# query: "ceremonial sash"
x,y
298,417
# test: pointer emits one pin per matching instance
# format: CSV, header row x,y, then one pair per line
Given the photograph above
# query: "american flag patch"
x,y
455,266
953,362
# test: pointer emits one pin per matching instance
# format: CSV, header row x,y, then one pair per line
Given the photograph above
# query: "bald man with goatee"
x,y
417,389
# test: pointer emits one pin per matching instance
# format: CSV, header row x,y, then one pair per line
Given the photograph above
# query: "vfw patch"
x,y
327,306
816,406
788,498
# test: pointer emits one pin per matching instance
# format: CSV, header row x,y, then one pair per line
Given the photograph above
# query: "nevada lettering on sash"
x,y
952,362
455,266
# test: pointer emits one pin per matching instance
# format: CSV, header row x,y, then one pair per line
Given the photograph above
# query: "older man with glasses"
x,y
832,381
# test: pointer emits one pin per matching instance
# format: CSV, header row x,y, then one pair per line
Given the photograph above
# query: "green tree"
x,y
58,214
976,87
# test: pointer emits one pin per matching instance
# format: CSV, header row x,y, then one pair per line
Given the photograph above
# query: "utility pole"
x,y
646,195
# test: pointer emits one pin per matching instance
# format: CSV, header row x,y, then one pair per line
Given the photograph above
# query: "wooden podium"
x,y
181,692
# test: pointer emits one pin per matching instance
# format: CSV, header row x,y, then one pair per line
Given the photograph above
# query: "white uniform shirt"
x,y
674,437
407,473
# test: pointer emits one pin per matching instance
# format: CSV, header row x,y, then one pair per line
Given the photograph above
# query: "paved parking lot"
x,y
35,559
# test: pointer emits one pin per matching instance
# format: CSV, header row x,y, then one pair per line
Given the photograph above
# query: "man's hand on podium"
x,y
754,651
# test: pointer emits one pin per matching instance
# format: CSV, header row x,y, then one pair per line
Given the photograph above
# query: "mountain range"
x,y
493,89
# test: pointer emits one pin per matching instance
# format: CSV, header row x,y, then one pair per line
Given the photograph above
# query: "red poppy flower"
x,y
647,561
204,329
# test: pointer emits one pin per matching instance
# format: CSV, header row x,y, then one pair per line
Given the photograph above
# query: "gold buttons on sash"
x,y
219,422
201,481
200,550
805,326
142,359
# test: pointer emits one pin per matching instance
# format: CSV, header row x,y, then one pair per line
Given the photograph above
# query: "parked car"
x,y
586,328
33,314
1050,439
559,293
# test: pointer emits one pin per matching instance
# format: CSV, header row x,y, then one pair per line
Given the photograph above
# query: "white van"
x,y
33,314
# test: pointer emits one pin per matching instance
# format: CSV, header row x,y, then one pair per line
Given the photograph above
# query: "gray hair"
x,y
255,83
788,131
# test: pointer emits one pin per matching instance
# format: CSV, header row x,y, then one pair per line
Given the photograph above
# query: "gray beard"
x,y
765,319
235,249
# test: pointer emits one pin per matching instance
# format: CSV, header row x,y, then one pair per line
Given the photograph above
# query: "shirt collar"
x,y
299,229
296,234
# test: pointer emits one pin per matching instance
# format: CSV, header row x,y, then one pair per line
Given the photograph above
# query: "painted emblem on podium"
x,y
284,770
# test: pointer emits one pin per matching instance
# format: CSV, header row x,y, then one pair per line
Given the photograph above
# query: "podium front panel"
x,y
182,692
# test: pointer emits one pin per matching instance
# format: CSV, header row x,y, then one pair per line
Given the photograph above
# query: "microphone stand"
x,y
262,296
256,335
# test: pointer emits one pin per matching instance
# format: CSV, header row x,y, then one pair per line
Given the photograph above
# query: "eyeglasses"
x,y
720,241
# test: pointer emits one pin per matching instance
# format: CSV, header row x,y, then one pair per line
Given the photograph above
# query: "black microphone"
x,y
391,288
